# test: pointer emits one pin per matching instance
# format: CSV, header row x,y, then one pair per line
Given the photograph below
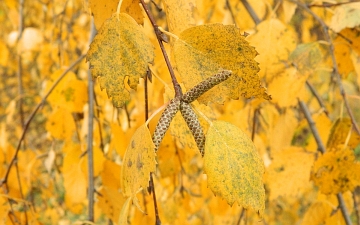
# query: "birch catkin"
x,y
194,125
164,121
205,85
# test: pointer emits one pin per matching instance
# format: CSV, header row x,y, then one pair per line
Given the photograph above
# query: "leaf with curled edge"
x,y
119,56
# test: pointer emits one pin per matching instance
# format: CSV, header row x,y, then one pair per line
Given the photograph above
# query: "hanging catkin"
x,y
164,121
205,85
194,125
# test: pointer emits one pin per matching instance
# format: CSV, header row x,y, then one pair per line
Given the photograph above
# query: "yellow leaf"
x,y
234,167
202,50
139,162
98,161
124,212
104,9
342,54
281,132
346,15
75,186
110,175
306,57
289,9
179,15
292,167
354,36
242,17
70,93
274,41
336,171
4,54
119,56
111,201
132,7
61,124
339,135
118,140
317,213
291,81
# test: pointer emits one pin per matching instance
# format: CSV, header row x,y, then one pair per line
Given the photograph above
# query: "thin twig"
x,y
177,88
318,98
151,182
90,151
333,59
254,124
251,12
241,216
228,5
32,115
322,149
158,221
343,209
356,205
320,144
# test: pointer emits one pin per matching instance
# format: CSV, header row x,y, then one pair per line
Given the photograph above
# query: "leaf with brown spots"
x,y
139,162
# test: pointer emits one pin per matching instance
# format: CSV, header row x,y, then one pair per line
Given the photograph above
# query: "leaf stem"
x,y
158,33
333,59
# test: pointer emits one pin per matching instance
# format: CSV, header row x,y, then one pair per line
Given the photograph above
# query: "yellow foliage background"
x,y
48,182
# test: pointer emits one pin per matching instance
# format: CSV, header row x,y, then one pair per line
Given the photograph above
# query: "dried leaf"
x,y
234,167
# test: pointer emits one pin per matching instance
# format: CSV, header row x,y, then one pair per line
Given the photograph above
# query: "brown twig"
x,y
151,182
333,59
158,33
318,98
322,149
251,12
32,115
